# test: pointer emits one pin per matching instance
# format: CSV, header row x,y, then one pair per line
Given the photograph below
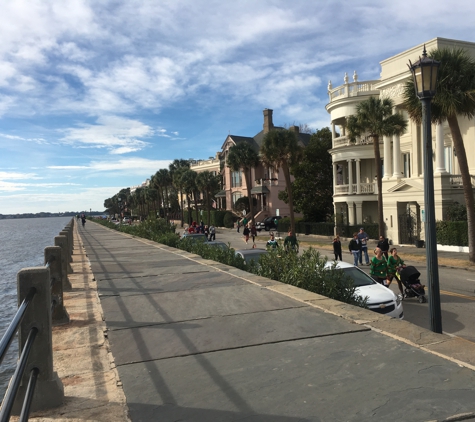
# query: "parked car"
x,y
251,254
268,223
126,220
380,298
218,244
195,237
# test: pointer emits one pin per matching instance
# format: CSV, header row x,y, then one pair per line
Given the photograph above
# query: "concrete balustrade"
x,y
62,242
53,255
49,391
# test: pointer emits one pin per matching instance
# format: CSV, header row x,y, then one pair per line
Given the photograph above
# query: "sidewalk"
x,y
195,340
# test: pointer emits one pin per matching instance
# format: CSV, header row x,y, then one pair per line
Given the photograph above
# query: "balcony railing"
x,y
456,181
343,141
353,89
365,188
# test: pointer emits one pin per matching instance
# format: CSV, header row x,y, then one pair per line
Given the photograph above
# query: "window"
x,y
406,159
236,196
236,179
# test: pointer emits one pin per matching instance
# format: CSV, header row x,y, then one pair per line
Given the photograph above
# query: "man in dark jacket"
x,y
355,248
383,244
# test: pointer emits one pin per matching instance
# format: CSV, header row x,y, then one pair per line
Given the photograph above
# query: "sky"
x,y
96,96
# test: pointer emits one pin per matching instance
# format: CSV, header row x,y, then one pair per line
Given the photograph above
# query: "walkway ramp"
x,y
194,340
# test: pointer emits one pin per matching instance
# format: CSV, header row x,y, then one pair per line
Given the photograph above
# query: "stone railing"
x,y
365,188
456,181
353,89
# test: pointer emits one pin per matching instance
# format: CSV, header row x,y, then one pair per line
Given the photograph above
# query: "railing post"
x,y
49,391
53,256
62,242
69,256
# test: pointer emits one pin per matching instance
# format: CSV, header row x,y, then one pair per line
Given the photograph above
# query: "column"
x,y
351,214
439,149
350,177
387,157
358,176
396,157
333,131
335,169
359,212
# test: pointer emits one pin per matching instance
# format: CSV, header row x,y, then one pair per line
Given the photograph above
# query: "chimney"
x,y
295,129
268,125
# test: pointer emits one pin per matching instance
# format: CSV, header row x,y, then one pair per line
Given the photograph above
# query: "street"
x,y
456,287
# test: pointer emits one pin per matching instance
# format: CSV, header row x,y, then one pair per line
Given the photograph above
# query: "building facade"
x,y
354,171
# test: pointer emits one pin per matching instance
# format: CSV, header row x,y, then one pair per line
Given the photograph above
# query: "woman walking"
x,y
245,233
253,235
379,267
394,264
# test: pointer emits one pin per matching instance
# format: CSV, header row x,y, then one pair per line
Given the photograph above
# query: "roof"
x,y
260,189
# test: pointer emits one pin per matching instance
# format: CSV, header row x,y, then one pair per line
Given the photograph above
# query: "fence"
x,y
34,385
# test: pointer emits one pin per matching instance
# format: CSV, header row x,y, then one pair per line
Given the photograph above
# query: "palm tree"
x,y
375,118
209,185
176,169
188,184
243,156
455,96
280,149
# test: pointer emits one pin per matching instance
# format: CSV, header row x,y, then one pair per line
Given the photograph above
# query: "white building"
x,y
355,196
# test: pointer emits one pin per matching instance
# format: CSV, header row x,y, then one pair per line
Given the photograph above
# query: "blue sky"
x,y
96,96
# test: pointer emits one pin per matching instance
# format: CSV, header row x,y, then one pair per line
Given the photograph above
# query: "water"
x,y
22,243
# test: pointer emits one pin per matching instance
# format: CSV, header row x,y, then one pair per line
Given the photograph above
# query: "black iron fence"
x,y
34,385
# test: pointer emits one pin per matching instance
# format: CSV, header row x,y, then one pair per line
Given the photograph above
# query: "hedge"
x,y
454,233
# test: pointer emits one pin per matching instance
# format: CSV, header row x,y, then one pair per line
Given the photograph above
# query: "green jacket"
x,y
393,263
379,268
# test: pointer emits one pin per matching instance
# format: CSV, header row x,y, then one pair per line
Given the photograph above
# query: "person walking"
x,y
271,243
291,243
383,244
246,233
395,263
238,225
212,233
355,248
337,248
363,238
379,267
253,235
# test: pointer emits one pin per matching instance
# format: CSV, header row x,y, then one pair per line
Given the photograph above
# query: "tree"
x,y
243,156
188,184
209,185
313,179
280,149
455,96
375,118
176,169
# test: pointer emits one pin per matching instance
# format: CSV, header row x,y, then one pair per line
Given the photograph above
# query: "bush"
x,y
228,220
454,233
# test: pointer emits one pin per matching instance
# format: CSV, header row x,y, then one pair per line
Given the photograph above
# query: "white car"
x,y
380,298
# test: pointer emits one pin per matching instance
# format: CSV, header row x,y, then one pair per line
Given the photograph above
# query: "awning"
x,y
221,194
260,189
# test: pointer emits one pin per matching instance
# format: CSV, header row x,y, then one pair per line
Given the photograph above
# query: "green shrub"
x,y
228,220
454,233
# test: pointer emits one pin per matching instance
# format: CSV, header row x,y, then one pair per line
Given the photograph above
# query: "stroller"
x,y
409,277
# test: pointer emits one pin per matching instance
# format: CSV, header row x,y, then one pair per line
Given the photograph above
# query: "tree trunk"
x,y
197,211
286,171
247,177
379,181
208,202
181,208
466,181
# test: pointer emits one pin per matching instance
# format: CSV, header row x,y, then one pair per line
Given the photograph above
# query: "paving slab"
x,y
197,301
356,377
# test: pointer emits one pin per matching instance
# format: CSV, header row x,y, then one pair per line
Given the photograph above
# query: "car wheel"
x,y
267,228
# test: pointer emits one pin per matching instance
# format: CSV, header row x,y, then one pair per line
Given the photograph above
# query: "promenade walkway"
x,y
195,340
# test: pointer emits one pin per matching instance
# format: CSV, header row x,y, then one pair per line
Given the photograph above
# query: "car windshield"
x,y
359,277
252,256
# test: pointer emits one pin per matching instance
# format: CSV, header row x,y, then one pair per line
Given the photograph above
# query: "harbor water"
x,y
22,243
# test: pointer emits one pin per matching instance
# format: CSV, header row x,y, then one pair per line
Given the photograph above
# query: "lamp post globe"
x,y
424,72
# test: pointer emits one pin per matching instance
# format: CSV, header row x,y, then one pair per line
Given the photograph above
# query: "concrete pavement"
x,y
195,340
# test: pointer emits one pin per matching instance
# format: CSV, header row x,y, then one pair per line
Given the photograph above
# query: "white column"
x,y
351,214
333,131
350,177
439,149
335,168
358,176
359,212
387,157
396,157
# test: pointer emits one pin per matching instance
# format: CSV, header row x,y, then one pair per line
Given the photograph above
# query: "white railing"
x,y
456,180
341,141
353,89
341,189
365,188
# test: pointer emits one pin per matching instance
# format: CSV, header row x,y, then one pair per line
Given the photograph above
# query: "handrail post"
x,y
69,256
53,256
62,242
50,391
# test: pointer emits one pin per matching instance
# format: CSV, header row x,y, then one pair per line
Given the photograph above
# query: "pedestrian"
x,y
238,225
271,243
355,248
206,232
291,243
337,248
395,263
246,233
253,235
379,267
383,244
363,238
212,233
83,220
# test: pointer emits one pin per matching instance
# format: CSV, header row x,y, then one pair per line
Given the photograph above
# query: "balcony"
x,y
353,89
456,181
344,141
364,189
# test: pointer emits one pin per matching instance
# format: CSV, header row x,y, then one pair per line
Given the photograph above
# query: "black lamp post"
x,y
425,72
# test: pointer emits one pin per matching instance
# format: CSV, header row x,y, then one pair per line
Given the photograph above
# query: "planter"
x,y
419,243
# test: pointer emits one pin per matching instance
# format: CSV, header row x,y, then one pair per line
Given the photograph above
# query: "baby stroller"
x,y
409,277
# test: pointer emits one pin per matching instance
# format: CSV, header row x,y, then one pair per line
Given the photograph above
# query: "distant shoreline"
x,y
48,214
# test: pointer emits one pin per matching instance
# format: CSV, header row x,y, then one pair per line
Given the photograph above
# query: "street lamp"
x,y
425,72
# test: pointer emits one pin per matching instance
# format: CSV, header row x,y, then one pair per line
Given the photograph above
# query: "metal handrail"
x,y
9,399
14,325
30,390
